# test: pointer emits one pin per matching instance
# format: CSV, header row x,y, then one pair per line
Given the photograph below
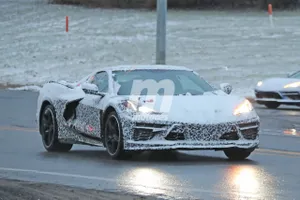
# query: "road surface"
x,y
271,172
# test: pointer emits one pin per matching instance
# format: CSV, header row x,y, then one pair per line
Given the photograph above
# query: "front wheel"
x,y
238,154
49,131
113,137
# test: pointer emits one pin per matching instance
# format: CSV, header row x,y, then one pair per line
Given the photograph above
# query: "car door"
x,y
88,110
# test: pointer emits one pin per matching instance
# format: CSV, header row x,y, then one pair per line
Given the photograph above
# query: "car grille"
x,y
251,124
205,132
249,130
291,95
230,136
267,95
197,132
250,134
175,136
142,134
150,125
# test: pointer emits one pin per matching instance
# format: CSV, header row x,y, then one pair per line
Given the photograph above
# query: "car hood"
x,y
194,109
277,84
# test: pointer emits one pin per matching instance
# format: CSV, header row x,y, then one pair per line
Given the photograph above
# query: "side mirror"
x,y
226,87
90,88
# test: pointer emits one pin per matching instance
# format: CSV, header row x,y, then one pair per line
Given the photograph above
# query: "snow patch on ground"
x,y
27,88
240,48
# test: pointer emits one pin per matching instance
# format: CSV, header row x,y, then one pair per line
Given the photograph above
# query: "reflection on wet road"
x,y
248,182
284,120
292,131
238,182
149,181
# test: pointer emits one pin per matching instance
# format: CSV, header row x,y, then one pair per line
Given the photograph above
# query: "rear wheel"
x,y
272,105
113,137
49,131
237,153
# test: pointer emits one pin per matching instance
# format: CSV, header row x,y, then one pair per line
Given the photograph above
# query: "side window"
x,y
297,75
101,80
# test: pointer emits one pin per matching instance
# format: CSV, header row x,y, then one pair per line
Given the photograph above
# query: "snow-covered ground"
x,y
240,48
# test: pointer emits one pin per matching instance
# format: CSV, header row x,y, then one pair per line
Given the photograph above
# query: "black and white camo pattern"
x,y
141,132
196,136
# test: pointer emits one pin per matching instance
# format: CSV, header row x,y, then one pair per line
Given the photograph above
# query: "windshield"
x,y
295,75
162,82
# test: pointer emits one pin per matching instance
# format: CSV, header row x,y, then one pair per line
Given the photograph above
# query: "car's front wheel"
x,y
237,153
49,131
113,137
272,105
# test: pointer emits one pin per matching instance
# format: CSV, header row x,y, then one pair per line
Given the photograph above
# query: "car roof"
x,y
147,67
134,67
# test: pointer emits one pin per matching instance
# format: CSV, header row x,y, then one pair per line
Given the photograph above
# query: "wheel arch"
x,y
104,116
43,106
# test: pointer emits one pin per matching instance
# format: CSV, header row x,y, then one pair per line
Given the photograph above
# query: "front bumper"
x,y
283,97
190,145
151,136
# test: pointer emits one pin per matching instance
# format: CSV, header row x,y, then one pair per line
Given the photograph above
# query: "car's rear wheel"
x,y
49,131
237,153
272,105
113,137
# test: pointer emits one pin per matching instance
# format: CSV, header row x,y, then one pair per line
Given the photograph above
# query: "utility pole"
x,y
161,12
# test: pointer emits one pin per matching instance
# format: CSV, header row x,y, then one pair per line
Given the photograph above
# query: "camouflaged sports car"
x,y
130,109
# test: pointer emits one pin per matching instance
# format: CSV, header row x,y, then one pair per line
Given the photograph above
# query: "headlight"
x,y
259,83
292,85
144,109
244,107
134,106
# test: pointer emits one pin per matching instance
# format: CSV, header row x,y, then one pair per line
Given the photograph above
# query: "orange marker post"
x,y
270,11
67,24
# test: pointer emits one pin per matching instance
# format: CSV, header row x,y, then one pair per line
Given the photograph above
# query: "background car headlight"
x,y
292,85
244,107
259,83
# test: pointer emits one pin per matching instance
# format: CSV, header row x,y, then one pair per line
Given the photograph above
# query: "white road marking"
x,y
16,128
277,151
58,174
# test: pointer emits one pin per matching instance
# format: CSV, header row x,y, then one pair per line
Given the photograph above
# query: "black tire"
x,y
272,105
237,153
113,138
49,131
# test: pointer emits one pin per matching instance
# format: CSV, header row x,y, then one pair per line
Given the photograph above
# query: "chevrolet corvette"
x,y
129,109
274,92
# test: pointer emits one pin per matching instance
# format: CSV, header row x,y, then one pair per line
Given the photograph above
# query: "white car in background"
x,y
274,92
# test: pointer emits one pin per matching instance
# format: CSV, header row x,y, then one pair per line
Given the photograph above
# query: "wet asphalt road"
x,y
272,172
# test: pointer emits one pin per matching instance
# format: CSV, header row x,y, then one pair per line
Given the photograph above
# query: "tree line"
x,y
191,4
